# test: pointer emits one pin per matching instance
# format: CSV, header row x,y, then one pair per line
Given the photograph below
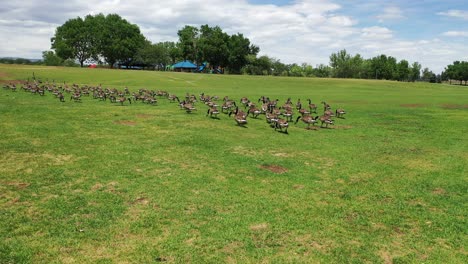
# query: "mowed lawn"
x,y
96,182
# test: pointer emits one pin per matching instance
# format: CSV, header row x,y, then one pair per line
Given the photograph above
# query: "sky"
x,y
433,33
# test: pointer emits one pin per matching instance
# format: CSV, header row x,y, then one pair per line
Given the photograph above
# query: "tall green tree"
x,y
213,45
341,62
240,49
403,70
49,58
188,43
119,40
415,71
152,55
75,39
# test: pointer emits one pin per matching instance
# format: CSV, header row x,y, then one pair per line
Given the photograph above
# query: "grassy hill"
x,y
100,182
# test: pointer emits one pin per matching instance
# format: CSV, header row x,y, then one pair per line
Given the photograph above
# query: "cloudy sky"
x,y
431,32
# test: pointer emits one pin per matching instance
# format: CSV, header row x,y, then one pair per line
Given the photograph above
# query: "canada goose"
x,y
325,119
227,106
212,111
325,106
239,116
254,111
288,113
303,112
308,120
281,124
76,97
312,107
340,112
61,97
271,117
172,98
188,107
123,99
299,104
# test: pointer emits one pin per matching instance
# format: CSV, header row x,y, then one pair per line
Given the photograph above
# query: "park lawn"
x,y
99,182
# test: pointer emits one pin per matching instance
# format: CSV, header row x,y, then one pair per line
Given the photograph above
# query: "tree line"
x,y
112,40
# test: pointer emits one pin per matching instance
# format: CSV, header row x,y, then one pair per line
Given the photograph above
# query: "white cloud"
x,y
463,14
390,13
303,31
456,34
376,33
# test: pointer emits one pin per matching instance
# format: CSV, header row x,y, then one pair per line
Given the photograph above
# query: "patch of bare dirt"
x,y
439,191
258,227
141,200
125,122
274,168
454,106
386,256
343,127
233,247
298,186
144,116
413,105
19,185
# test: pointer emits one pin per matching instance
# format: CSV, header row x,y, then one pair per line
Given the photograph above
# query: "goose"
x,y
308,120
212,111
239,116
312,107
340,112
325,119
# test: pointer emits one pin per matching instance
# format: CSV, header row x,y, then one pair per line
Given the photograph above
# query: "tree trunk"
x,y
81,63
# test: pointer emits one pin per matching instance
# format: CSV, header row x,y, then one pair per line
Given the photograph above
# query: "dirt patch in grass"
x,y
343,127
439,191
144,116
280,154
258,227
413,105
233,247
18,185
274,168
386,256
141,200
454,106
298,186
125,122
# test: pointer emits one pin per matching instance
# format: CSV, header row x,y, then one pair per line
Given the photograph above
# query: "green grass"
x,y
96,182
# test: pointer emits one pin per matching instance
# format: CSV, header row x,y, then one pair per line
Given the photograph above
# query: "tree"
x,y
240,49
415,71
188,41
172,50
148,55
119,40
323,71
51,59
340,62
403,70
213,45
457,71
76,39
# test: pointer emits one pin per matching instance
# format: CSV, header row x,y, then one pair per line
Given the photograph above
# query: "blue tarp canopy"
x,y
184,65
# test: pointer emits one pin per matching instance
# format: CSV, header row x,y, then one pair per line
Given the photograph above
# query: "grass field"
x,y
95,182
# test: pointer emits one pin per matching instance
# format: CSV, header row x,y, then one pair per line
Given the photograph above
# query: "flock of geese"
x,y
277,115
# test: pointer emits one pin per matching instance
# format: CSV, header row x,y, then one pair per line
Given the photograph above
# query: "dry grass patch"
x,y
258,227
439,191
125,122
144,116
274,168
454,106
413,105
